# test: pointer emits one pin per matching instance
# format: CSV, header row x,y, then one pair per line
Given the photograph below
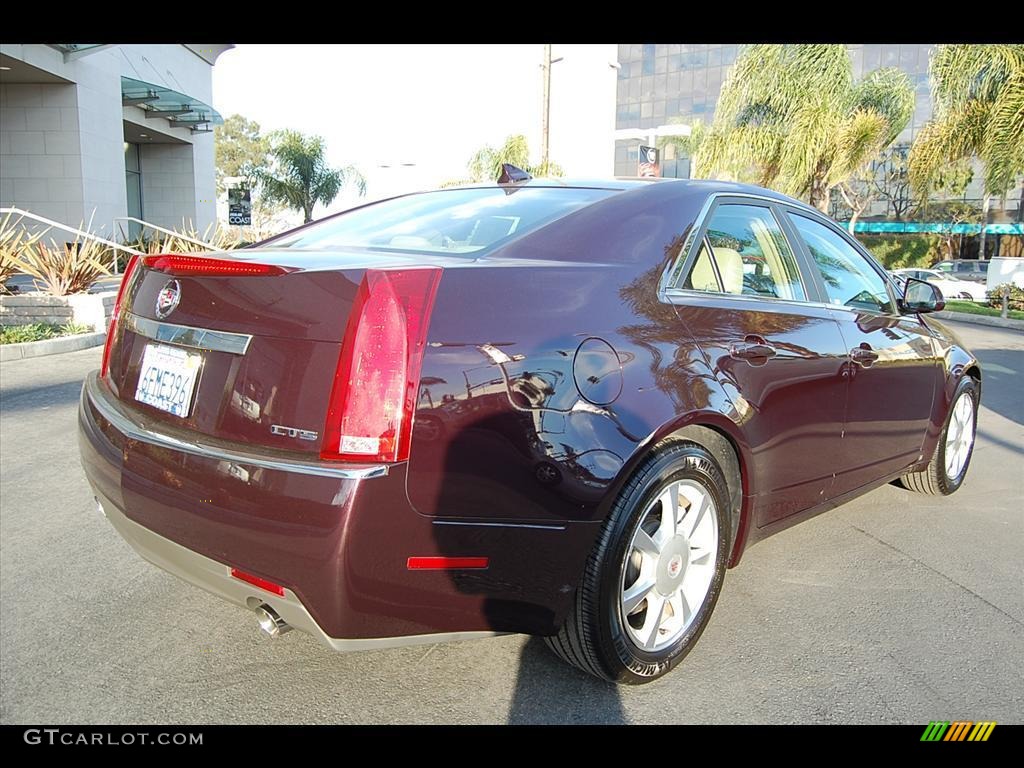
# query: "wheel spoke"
x,y
699,556
957,421
680,607
652,622
669,513
635,595
647,546
696,517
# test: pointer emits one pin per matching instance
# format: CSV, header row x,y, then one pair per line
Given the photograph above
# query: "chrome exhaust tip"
x,y
270,623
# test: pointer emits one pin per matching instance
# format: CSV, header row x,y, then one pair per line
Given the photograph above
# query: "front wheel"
x,y
655,574
947,469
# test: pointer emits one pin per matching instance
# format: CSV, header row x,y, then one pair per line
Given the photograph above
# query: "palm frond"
x,y
979,111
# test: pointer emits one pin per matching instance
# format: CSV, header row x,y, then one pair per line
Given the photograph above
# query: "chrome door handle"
x,y
863,355
751,351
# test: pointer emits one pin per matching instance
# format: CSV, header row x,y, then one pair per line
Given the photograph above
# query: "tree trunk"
x,y
853,221
819,197
985,203
308,213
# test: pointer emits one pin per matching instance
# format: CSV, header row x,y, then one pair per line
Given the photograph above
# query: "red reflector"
x,y
445,563
116,313
256,581
369,416
174,264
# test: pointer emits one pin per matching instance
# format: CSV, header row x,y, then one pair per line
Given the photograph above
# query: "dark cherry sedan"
x,y
562,409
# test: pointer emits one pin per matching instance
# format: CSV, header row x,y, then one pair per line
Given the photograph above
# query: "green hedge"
x,y
16,334
901,251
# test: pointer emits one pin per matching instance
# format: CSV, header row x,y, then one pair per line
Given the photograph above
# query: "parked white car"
x,y
951,287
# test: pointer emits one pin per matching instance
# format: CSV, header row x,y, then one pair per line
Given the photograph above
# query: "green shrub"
x,y
903,251
995,296
16,334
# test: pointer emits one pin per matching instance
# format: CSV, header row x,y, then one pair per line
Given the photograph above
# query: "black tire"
x,y
933,479
592,637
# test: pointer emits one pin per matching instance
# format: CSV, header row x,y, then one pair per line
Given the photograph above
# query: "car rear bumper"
x,y
338,539
216,578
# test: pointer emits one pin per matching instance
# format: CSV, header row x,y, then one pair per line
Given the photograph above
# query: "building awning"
x,y
180,110
941,227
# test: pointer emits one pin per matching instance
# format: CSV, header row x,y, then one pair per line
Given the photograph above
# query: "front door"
x,y
894,368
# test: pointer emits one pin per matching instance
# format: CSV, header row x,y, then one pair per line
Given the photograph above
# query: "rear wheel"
x,y
656,571
947,469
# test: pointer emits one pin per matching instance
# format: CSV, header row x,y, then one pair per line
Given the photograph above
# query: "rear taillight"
x,y
133,262
202,266
369,416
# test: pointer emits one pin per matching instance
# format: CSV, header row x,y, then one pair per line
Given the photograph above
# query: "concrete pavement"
x,y
894,608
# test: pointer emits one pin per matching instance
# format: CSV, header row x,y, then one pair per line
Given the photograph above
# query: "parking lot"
x,y
896,608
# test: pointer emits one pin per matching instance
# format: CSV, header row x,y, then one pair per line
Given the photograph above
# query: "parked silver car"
x,y
965,269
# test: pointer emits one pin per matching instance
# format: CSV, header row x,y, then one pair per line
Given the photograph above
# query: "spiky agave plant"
x,y
68,269
14,240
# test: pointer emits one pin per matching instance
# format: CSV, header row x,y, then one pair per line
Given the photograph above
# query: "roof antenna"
x,y
510,174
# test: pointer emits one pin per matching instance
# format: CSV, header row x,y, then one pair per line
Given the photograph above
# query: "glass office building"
x,y
659,84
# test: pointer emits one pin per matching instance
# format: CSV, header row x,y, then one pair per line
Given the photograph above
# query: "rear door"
x,y
780,357
894,367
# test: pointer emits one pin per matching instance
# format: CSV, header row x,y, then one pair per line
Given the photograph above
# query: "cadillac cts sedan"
x,y
561,409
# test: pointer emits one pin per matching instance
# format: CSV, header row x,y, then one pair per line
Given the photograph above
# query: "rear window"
x,y
458,221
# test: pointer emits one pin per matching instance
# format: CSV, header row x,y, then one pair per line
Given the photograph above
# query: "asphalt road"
x,y
894,608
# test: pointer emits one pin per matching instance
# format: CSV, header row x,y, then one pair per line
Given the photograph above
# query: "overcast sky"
x,y
432,105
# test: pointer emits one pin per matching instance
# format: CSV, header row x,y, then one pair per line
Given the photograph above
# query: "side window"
x,y
703,276
745,252
849,279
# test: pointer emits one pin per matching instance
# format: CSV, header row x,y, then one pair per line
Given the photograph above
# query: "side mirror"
x,y
920,297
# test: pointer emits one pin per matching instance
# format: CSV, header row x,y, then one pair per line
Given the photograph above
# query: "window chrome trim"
x,y
189,336
684,292
113,412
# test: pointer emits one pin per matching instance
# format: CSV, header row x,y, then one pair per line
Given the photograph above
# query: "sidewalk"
x,y
966,317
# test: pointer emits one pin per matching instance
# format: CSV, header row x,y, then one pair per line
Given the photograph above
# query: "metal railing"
x,y
75,230
146,225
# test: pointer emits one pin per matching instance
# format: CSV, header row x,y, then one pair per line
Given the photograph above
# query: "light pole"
x,y
545,121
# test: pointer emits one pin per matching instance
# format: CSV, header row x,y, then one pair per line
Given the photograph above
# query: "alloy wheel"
x,y
669,565
959,435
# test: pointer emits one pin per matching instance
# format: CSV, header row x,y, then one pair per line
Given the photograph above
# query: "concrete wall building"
x,y
91,132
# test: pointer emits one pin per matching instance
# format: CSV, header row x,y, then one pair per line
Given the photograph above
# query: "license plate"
x,y
168,378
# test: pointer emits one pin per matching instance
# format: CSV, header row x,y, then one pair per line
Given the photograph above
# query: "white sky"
x,y
432,105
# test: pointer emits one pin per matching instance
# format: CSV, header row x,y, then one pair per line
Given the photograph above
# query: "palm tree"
x,y
486,162
791,117
300,177
978,92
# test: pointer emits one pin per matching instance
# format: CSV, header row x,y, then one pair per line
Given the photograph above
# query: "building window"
x,y
133,187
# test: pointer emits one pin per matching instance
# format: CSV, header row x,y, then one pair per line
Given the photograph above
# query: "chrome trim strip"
x,y
189,336
113,413
683,293
501,525
215,577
